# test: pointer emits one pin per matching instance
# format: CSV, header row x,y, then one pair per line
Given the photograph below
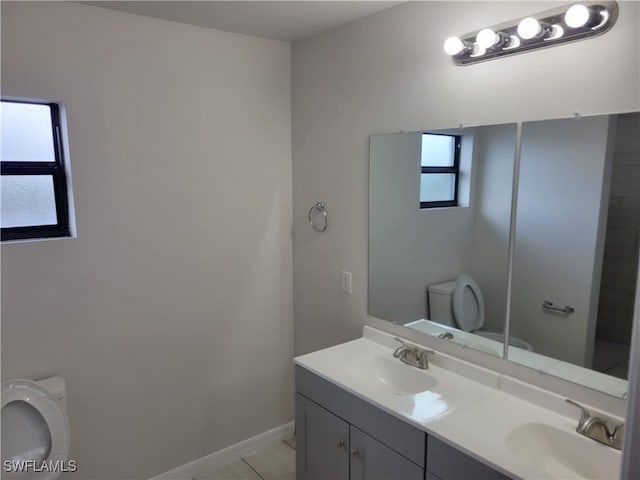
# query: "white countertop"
x,y
511,426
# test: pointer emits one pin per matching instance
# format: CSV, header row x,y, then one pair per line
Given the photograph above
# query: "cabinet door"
x,y
370,460
407,440
323,452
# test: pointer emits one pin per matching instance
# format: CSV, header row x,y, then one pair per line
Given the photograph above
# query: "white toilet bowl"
x,y
35,429
459,303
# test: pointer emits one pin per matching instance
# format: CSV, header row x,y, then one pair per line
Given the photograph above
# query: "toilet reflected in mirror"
x,y
460,304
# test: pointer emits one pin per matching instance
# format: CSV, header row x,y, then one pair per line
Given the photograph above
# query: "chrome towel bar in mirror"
x,y
549,305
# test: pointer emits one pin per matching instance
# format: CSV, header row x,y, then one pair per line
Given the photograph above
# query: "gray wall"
x,y
388,73
170,314
495,148
562,204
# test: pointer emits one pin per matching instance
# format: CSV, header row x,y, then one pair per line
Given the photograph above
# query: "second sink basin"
x,y
566,454
389,374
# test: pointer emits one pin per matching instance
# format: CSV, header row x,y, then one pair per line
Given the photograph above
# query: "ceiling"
x,y
279,20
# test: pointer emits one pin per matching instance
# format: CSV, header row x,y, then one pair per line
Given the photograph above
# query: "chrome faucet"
x,y
412,355
599,428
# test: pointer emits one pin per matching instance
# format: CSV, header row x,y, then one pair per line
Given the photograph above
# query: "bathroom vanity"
x,y
361,413
341,436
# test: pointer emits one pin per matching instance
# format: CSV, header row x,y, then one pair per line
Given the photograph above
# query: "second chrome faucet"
x,y
412,355
600,429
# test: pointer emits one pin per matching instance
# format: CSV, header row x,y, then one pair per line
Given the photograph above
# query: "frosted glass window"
x,y
439,169
438,150
28,200
27,134
33,186
437,187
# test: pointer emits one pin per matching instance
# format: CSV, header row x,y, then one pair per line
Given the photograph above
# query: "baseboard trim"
x,y
210,462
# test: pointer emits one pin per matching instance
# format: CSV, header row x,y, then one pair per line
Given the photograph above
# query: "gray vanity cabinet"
x,y
329,448
340,436
322,439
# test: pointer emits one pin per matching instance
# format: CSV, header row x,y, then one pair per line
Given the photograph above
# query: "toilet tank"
x,y
441,303
57,387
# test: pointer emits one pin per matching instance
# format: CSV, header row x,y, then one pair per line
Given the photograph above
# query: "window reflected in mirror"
x,y
439,162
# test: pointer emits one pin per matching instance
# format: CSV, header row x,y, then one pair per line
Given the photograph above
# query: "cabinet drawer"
x,y
447,463
400,436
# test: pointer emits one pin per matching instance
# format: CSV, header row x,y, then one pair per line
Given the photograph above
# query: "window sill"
x,y
439,209
34,240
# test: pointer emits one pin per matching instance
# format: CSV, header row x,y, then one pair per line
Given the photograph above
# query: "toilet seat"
x,y
29,397
468,304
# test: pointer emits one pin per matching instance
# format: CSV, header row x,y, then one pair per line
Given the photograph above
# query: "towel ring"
x,y
320,208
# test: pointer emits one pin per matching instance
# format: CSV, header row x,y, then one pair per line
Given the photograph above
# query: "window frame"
x,y
454,169
59,176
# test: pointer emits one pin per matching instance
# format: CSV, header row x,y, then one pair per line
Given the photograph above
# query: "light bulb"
x,y
577,16
487,38
529,28
453,46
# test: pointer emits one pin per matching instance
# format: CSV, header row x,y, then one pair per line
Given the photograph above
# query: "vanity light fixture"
x,y
545,29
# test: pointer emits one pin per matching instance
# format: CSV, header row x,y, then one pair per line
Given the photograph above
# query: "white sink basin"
x,y
563,454
389,374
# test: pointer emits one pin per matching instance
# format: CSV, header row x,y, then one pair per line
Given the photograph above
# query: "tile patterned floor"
x,y
273,462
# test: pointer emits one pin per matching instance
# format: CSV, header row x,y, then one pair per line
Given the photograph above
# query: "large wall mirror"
x,y
440,204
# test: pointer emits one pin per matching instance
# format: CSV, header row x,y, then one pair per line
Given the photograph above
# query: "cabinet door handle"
x,y
340,443
355,452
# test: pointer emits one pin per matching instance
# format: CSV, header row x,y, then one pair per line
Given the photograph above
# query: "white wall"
x,y
170,315
559,234
397,259
495,151
388,73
